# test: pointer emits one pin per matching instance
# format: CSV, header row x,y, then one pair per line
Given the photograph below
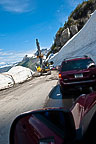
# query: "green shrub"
x,y
60,31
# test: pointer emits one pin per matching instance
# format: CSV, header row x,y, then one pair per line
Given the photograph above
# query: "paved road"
x,y
24,97
57,100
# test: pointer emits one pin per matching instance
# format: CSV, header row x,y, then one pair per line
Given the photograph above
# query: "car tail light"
x,y
59,75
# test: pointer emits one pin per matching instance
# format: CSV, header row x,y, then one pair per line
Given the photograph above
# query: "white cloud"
x,y
7,57
10,57
5,53
2,63
18,6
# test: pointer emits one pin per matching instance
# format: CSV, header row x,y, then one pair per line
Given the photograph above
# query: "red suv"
x,y
77,74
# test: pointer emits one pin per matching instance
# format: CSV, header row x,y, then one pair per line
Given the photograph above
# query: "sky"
x,y
22,21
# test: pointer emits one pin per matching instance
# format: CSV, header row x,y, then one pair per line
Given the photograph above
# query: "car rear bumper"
x,y
80,82
78,86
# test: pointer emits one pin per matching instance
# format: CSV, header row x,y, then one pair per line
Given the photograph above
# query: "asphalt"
x,y
56,99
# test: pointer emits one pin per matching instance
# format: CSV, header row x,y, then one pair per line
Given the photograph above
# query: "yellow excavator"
x,y
44,66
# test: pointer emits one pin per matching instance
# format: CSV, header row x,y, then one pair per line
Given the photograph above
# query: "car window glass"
x,y
75,64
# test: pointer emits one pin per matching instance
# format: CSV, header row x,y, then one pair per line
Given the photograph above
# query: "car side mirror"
x,y
91,65
43,127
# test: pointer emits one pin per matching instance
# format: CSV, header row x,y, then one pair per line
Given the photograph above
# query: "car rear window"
x,y
76,64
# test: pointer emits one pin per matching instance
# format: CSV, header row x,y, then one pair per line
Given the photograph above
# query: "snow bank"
x,y
83,43
17,74
6,81
20,74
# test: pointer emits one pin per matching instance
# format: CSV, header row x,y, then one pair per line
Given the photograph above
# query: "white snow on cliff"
x,y
83,43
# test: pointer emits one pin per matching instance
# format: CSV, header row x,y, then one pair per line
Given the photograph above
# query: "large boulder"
x,y
20,74
73,30
65,36
6,81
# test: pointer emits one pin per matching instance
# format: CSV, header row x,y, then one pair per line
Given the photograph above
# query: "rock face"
x,y
65,36
58,43
73,30
25,58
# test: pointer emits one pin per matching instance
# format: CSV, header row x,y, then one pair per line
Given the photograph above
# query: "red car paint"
x,y
82,106
75,75
31,130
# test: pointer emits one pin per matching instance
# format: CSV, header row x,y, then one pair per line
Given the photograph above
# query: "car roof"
x,y
75,58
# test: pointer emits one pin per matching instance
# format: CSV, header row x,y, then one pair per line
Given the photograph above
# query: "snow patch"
x,y
16,74
6,81
20,74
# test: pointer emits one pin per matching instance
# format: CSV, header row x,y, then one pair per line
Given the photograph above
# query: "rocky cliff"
x,y
75,22
83,43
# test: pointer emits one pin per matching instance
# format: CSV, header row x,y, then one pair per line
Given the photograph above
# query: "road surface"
x,y
23,97
57,100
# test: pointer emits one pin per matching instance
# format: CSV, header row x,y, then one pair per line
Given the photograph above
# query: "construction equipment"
x,y
44,66
39,55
